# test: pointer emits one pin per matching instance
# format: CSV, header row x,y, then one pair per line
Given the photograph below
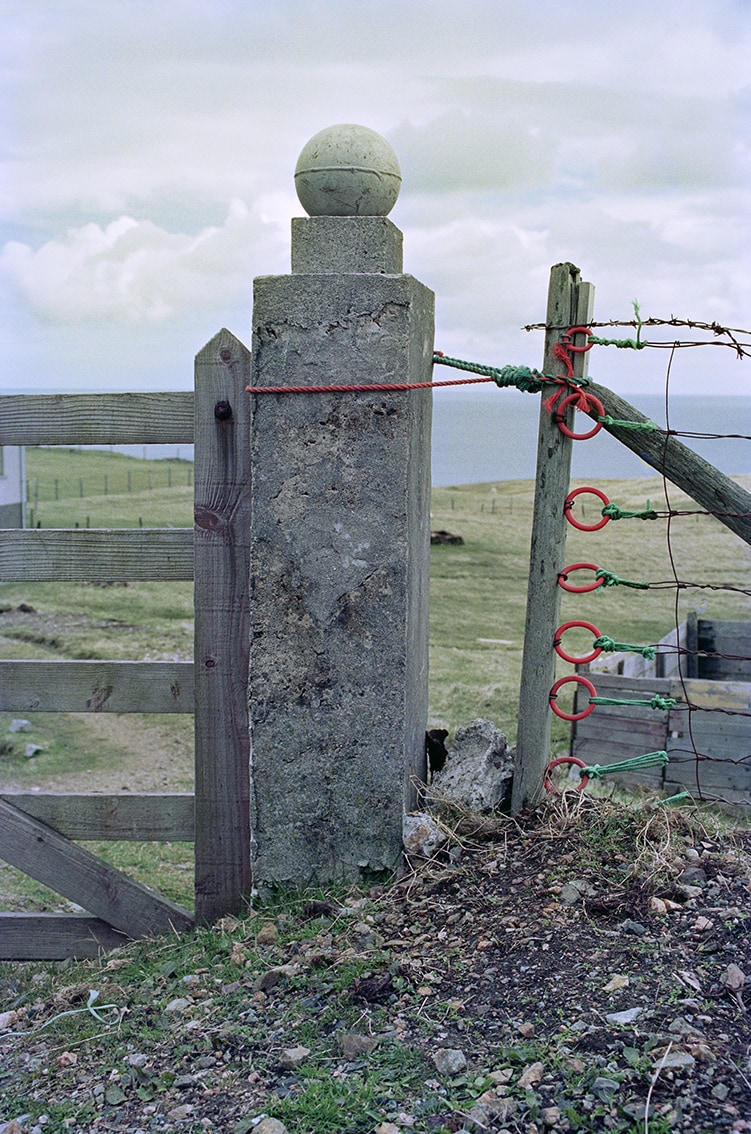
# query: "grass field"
x,y
478,595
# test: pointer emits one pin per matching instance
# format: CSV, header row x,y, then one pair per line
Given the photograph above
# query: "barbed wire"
x,y
741,348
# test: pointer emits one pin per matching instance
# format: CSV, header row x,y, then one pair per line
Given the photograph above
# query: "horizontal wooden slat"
x,y
55,937
138,818
77,874
96,687
97,419
95,554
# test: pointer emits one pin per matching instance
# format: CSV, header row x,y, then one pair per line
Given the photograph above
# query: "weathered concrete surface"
x,y
339,567
346,244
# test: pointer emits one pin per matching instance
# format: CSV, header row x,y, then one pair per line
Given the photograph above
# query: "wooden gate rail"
x,y
38,830
96,419
96,687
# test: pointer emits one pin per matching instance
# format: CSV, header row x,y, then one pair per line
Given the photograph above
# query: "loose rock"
x,y
449,1061
478,771
293,1057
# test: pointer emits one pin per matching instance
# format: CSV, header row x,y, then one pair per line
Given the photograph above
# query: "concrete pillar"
x,y
339,539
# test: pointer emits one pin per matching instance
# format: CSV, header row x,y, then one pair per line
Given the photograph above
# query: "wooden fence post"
x,y
570,303
222,529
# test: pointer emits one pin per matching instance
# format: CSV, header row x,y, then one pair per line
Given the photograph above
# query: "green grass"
x,y
97,488
478,598
478,590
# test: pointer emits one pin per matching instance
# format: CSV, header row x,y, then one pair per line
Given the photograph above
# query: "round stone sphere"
x,y
347,171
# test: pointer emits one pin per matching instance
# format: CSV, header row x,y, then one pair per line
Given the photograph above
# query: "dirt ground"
x,y
580,969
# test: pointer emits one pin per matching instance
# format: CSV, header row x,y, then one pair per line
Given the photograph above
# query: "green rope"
x,y
526,380
631,344
656,702
529,381
616,513
673,800
649,760
611,647
640,426
610,579
634,344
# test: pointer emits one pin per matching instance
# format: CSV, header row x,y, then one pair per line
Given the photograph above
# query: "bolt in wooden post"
x,y
339,547
570,304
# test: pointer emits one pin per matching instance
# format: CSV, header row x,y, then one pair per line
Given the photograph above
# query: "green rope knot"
x,y
616,513
527,380
655,702
658,702
610,579
648,760
643,426
610,647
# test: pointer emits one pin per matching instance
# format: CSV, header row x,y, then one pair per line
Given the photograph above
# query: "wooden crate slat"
x,y
77,874
90,555
85,815
55,937
96,687
97,419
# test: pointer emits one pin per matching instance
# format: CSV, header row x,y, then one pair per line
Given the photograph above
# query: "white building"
x,y
12,486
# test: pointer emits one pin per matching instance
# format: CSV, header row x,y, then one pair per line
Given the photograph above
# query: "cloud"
x,y
132,270
612,135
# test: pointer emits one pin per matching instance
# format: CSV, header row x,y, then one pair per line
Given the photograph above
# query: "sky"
x,y
148,151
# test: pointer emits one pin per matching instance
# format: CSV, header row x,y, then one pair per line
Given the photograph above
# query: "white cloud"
x,y
134,270
614,135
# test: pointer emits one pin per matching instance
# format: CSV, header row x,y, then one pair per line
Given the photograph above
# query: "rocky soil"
x,y
582,969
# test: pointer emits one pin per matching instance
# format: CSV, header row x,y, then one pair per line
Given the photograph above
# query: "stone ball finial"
x,y
347,171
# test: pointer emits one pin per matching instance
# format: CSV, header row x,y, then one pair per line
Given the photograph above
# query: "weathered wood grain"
x,y
570,303
705,484
90,555
619,732
84,815
96,687
74,872
96,419
55,937
222,630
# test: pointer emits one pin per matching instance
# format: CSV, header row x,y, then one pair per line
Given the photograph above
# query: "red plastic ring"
x,y
577,523
566,657
596,404
571,716
564,574
547,784
566,340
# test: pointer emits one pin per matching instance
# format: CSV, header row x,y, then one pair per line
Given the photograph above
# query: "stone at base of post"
x,y
339,558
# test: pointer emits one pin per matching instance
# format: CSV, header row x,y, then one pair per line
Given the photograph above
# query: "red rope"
x,y
372,387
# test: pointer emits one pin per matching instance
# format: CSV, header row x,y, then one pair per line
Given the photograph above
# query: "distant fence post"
x,y
340,544
570,303
221,535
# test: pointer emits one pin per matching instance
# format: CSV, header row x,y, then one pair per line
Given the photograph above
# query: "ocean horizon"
x,y
486,436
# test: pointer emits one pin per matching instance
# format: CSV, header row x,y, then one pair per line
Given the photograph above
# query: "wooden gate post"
x,y
570,304
340,535
221,538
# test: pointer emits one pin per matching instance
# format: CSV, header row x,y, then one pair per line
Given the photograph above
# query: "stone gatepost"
x,y
340,528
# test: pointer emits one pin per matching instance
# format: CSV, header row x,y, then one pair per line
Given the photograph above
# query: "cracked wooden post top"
x,y
339,541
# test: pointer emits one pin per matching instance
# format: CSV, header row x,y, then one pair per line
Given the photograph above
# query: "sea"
x,y
492,436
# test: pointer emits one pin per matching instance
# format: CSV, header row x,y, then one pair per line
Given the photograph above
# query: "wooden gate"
x,y
39,833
